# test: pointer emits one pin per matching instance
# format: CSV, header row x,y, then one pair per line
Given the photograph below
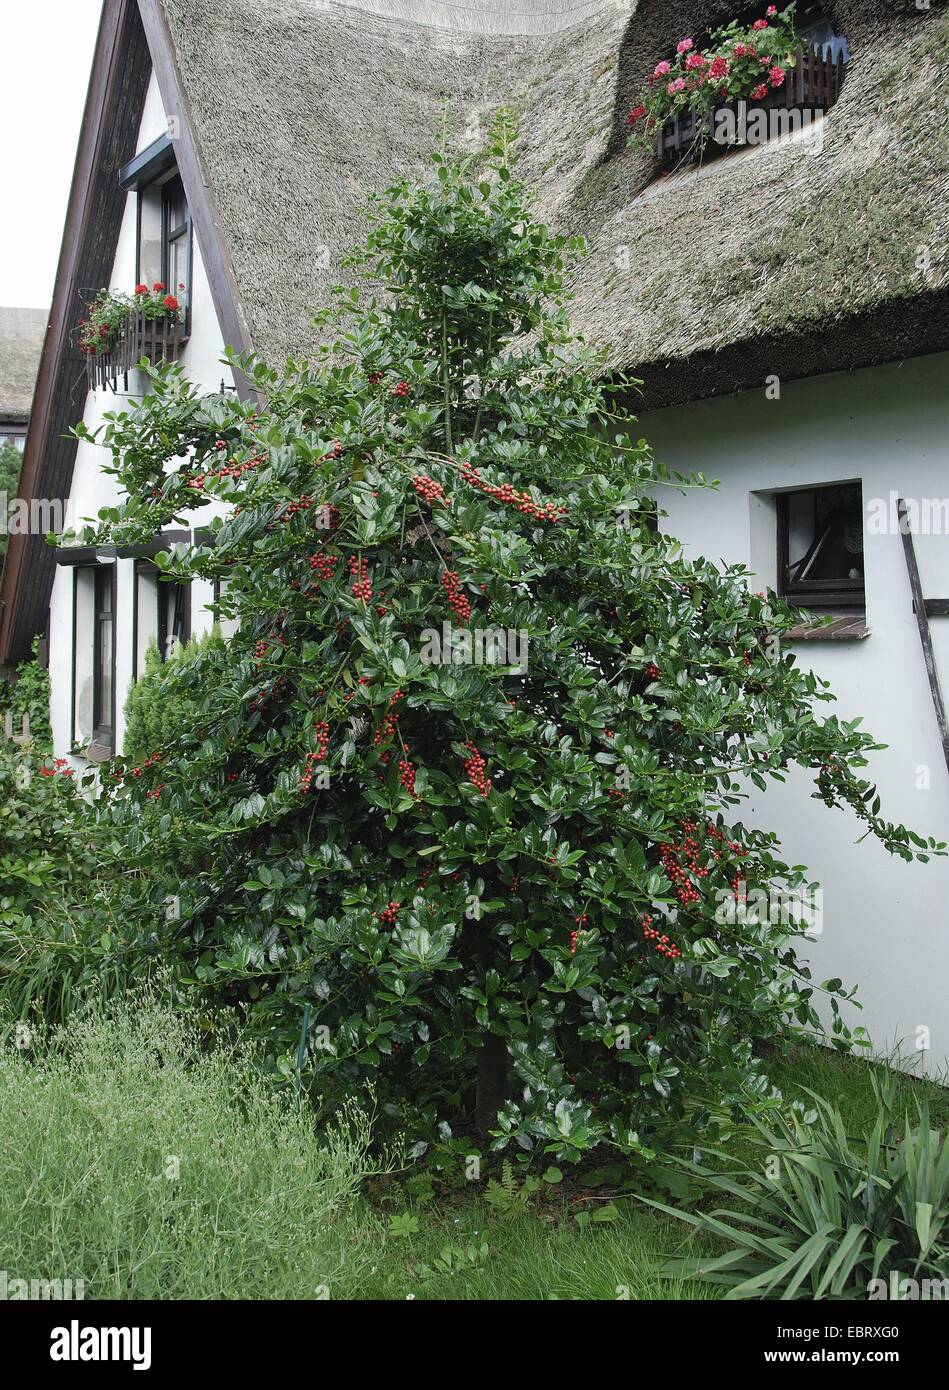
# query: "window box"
x,y
158,339
812,87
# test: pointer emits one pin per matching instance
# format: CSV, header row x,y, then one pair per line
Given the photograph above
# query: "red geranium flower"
x,y
757,93
760,24
158,285
635,114
141,289
171,303
776,77
719,67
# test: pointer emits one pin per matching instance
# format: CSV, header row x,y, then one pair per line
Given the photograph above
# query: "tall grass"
x,y
148,1167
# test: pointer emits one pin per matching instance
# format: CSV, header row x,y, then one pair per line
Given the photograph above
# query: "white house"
x,y
785,307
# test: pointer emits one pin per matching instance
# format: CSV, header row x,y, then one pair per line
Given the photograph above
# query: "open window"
x,y
820,547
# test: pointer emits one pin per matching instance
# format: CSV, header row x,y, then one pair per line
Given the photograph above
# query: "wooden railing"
x,y
813,84
160,340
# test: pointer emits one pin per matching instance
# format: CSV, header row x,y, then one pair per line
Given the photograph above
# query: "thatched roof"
x,y
775,259
21,342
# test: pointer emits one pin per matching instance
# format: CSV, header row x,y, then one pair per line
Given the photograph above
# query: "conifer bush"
x,y
162,704
484,865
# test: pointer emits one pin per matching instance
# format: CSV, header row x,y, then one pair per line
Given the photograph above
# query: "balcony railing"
x,y
160,340
812,85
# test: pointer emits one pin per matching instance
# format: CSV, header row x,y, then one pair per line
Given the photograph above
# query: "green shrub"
x,y
148,1167
28,694
75,916
505,887
167,700
824,1215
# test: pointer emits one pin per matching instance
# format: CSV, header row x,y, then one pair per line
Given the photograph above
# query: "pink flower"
x,y
634,115
757,93
740,50
679,84
776,77
718,67
771,10
662,69
684,45
695,60
671,89
760,24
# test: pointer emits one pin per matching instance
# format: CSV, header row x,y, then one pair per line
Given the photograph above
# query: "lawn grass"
x,y
845,1081
532,1257
135,1161
140,1164
544,1254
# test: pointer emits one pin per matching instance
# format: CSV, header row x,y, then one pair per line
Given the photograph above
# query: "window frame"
x,y
147,567
103,577
160,186
170,235
820,593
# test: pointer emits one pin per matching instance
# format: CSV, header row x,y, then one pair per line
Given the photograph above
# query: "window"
x,y
174,616
811,86
175,237
165,238
162,614
103,636
816,29
820,547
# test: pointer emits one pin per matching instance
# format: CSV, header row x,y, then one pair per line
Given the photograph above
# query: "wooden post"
x,y
922,623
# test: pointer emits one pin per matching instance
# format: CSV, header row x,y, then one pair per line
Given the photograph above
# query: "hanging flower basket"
x,y
118,330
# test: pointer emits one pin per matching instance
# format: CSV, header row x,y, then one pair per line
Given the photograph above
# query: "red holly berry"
x,y
474,766
429,490
509,496
457,601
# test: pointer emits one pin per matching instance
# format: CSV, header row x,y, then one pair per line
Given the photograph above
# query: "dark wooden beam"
x,y
922,623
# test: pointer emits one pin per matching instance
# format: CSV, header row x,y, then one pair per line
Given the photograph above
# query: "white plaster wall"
x,y
886,923
93,489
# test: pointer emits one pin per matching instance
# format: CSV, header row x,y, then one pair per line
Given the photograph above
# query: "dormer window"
x,y
164,231
771,73
120,327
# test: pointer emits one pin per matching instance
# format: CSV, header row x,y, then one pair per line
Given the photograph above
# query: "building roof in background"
x,y
785,258
21,341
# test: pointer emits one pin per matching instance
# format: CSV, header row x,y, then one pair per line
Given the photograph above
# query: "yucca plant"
x,y
825,1215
